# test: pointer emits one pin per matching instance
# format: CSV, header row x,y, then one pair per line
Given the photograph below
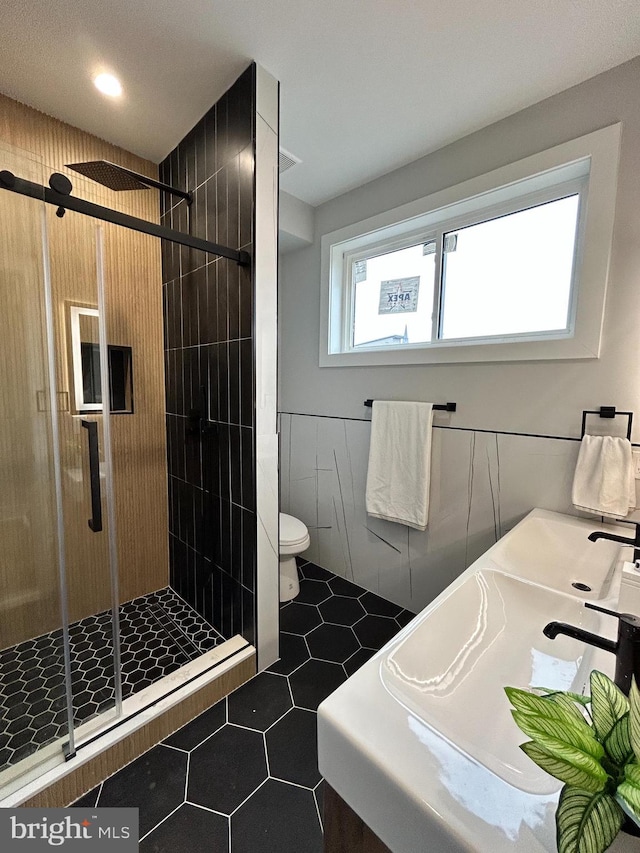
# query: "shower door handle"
x,y
95,522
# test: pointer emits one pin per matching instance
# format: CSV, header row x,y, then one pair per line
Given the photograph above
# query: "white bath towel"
x,y
400,463
604,482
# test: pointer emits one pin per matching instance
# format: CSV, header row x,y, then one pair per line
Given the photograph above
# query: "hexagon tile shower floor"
x,y
159,633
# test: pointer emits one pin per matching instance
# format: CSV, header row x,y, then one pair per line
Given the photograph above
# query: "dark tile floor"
x,y
243,777
159,633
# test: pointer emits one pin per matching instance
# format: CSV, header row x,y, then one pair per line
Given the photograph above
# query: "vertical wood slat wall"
x,y
134,318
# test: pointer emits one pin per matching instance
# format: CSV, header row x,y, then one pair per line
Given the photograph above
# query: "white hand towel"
x,y
604,482
400,462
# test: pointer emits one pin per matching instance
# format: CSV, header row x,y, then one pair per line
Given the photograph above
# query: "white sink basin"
x,y
451,670
553,550
420,741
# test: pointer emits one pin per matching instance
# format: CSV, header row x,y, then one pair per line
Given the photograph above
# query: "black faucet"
x,y
626,648
623,540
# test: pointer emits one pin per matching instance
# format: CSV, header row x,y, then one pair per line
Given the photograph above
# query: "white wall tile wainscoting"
x,y
482,484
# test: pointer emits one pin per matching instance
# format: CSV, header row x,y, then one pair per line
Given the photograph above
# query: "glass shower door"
x,y
59,648
81,358
35,707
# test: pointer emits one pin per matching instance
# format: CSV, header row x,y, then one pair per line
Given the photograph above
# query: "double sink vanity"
x,y
420,744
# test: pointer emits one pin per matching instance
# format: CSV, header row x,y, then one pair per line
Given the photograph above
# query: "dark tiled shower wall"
x,y
209,365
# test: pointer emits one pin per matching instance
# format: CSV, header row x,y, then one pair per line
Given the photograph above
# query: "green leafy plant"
x,y
592,744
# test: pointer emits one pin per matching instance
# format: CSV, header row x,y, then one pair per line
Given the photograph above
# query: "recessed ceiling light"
x,y
108,85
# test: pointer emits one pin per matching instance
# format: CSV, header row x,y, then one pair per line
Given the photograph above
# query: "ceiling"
x,y
366,85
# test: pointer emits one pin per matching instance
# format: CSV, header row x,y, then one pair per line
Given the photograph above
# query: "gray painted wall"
x,y
532,397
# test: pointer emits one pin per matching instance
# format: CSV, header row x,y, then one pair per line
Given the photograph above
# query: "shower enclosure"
x,y
71,652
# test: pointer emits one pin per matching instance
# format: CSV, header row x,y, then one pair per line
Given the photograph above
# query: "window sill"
x,y
461,351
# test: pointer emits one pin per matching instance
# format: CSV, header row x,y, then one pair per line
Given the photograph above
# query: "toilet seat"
x,y
292,531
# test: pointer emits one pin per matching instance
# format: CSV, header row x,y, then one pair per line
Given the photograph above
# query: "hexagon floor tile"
x,y
278,818
159,633
189,828
226,769
259,703
253,784
153,783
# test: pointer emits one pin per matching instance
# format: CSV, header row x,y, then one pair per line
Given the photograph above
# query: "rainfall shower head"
x,y
109,175
118,178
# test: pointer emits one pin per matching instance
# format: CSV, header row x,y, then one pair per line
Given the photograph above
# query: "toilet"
x,y
294,539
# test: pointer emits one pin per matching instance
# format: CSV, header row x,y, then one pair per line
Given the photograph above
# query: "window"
x,y
511,275
508,266
500,277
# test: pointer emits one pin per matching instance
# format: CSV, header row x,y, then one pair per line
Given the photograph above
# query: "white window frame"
x,y
555,173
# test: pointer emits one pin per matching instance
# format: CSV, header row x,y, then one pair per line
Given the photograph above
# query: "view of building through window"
x,y
393,300
505,276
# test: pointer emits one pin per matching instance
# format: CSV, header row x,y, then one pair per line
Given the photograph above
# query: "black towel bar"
x,y
440,407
